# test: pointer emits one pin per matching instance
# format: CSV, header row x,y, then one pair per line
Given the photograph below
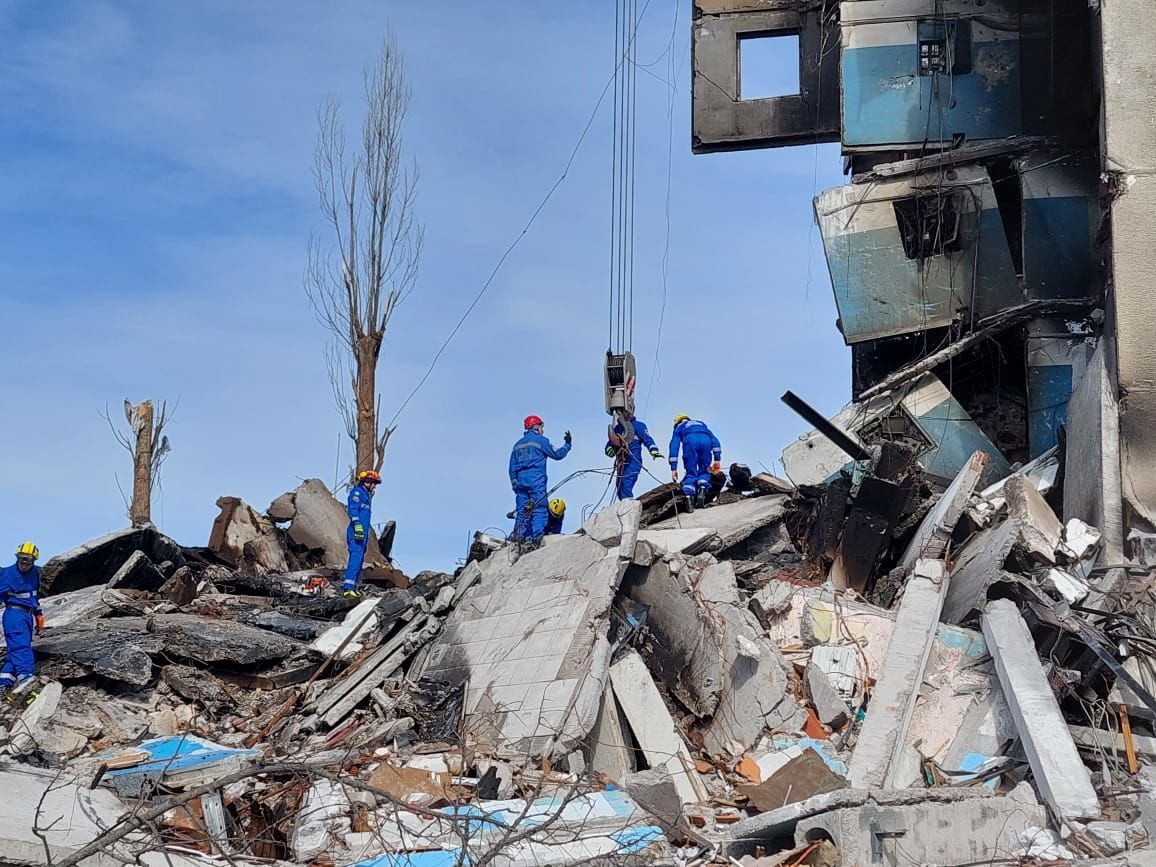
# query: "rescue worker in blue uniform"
x,y
557,510
359,507
20,593
628,459
528,479
701,456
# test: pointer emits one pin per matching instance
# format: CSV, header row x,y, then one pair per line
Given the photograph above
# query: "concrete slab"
x,y
653,727
610,751
705,635
934,532
68,814
690,540
884,732
1060,775
979,565
1041,532
530,640
1092,482
731,523
968,830
614,523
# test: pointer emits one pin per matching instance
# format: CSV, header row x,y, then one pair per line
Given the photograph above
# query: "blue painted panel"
x,y
880,292
957,438
1058,246
1049,389
886,100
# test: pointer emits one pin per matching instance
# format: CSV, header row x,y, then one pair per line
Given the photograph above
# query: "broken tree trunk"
x,y
141,419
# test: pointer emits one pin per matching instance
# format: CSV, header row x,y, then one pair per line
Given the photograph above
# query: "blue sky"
x,y
155,205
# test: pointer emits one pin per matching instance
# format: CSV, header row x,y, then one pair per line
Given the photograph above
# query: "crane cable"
x,y
622,179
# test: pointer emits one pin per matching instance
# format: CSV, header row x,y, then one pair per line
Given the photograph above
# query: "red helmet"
x,y
532,421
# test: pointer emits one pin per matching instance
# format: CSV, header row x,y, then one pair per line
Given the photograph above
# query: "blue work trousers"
x,y
630,470
356,558
696,460
532,526
18,660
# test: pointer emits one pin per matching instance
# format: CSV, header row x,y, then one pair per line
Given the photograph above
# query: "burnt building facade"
x,y
989,251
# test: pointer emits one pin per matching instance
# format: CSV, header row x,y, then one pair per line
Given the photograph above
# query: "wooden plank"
x,y
342,688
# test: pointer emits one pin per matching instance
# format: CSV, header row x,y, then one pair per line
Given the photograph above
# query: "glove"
x,y
567,438
358,533
656,454
716,467
39,623
610,451
674,474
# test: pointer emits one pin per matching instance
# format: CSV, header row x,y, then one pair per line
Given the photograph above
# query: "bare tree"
x,y
356,282
146,441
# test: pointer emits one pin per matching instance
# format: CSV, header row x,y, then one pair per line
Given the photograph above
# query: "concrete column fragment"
x,y
889,713
1060,775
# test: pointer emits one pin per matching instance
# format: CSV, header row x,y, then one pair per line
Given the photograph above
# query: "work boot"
x,y
689,502
352,593
700,500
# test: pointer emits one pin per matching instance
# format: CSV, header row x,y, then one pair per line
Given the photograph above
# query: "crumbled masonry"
x,y
655,685
933,642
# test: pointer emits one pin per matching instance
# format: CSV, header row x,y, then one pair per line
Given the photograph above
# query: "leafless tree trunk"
x,y
140,512
149,446
356,282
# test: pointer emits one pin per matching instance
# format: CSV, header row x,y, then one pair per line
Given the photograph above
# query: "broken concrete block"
x,y
772,600
1060,775
979,565
283,509
530,639
657,793
22,737
359,623
246,540
1110,837
181,587
914,826
1040,530
934,532
713,653
210,640
610,525
829,705
50,817
73,606
119,648
653,727
731,523
690,540
197,685
95,562
322,819
884,732
137,573
611,753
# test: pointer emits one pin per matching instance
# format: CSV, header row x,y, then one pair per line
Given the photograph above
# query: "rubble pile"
x,y
874,668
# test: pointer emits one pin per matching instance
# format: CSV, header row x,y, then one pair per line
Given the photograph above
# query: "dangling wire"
x,y
622,165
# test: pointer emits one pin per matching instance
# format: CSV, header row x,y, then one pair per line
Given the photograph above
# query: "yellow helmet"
x,y
557,507
27,549
681,417
369,476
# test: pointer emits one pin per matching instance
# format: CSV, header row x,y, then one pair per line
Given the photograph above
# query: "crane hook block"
x,y
620,377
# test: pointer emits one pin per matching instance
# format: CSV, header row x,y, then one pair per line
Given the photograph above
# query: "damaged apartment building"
x,y
990,251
